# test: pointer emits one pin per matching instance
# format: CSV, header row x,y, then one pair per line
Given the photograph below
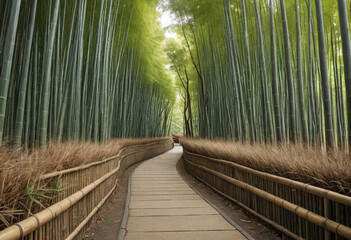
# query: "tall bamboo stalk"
x,y
266,107
44,103
290,83
300,82
248,73
9,46
346,48
275,88
23,83
328,112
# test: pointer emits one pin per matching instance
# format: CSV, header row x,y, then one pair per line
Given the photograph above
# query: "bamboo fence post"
x,y
327,214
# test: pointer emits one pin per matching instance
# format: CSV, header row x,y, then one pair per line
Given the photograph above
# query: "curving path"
x,y
163,206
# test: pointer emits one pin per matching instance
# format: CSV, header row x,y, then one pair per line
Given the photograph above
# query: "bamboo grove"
x,y
81,70
269,71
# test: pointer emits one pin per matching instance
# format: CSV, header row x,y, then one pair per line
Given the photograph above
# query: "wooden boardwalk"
x,y
163,206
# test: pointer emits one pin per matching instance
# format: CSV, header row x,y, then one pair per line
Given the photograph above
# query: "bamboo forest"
x,y
175,119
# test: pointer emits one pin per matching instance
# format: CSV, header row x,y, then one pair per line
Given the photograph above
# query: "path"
x,y
163,206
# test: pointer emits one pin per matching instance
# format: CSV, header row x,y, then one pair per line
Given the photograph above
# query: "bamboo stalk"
x,y
23,86
290,84
346,48
299,74
44,104
327,214
275,89
328,112
7,61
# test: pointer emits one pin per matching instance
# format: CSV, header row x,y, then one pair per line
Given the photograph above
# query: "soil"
x,y
110,217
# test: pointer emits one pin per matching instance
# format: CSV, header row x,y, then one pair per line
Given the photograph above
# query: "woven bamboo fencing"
x,y
84,191
296,209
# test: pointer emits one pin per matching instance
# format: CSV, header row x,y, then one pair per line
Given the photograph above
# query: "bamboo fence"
x,y
296,209
84,191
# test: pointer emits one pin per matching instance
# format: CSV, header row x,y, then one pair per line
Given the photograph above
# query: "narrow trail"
x,y
163,206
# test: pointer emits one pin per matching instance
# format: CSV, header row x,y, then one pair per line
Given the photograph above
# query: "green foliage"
x,y
37,196
147,36
177,120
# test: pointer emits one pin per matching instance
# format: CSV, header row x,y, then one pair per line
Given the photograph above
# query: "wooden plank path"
x,y
163,206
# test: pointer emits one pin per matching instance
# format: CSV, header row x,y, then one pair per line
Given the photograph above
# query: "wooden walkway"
x,y
163,206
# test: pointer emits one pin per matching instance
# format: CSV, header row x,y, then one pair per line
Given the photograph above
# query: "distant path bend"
x,y
163,206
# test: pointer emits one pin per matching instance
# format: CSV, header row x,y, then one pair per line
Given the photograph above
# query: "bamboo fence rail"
x,y
84,190
296,209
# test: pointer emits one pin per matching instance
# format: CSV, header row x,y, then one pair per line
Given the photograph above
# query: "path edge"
x,y
123,228
225,216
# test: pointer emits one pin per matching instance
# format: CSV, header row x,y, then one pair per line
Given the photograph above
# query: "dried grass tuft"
x,y
176,137
20,169
298,162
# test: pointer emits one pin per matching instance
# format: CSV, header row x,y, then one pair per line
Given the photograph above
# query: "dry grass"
x,y
298,162
20,169
176,137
